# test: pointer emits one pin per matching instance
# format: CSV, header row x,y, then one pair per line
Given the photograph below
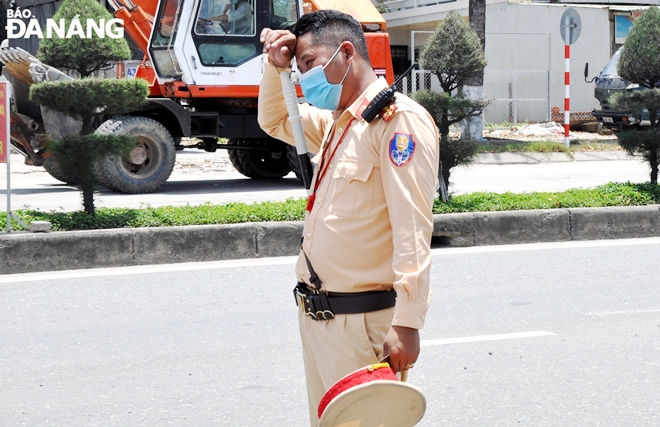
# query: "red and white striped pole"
x,y
567,82
567,93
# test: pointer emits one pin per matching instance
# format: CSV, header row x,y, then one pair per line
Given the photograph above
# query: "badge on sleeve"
x,y
402,148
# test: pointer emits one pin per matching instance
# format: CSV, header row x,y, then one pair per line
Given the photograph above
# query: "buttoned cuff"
x,y
409,314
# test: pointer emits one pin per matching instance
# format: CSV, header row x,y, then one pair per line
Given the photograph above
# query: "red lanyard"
x,y
323,167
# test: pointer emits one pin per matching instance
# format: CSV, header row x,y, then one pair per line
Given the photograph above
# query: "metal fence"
x,y
519,96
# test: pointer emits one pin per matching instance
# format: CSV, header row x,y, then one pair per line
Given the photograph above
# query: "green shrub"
x,y
613,194
78,153
455,55
85,55
89,97
640,64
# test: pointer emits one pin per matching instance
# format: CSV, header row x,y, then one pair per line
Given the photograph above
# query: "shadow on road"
x,y
180,186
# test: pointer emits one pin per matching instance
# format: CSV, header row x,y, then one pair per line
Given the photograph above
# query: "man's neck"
x,y
362,85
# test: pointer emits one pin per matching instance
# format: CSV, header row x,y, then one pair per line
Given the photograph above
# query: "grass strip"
x,y
612,194
546,147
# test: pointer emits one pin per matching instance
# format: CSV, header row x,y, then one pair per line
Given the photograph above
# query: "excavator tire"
x,y
55,170
149,165
272,163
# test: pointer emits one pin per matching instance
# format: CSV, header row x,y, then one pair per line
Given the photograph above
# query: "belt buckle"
x,y
304,303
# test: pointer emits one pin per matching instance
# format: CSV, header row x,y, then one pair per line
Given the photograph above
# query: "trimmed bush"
x,y
455,55
78,153
84,55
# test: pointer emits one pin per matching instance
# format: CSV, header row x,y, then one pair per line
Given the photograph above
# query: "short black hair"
x,y
331,28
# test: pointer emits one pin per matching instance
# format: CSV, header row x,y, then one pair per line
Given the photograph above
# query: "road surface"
x,y
531,335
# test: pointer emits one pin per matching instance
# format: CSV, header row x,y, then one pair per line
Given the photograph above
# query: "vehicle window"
x,y
225,53
226,18
610,69
163,38
283,14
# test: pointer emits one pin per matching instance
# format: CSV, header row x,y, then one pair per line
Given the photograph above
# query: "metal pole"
x,y
567,81
8,185
6,137
515,99
549,76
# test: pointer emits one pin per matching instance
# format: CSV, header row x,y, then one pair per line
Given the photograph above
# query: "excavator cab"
x,y
195,39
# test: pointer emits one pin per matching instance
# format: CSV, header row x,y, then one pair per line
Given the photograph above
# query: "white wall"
x,y
526,36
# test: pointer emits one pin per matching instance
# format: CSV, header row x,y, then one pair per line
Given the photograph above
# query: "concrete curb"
x,y
507,158
27,252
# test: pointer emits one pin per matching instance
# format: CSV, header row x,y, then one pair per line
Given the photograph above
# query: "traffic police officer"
x,y
363,270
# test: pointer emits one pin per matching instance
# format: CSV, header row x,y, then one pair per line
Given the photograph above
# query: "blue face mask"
x,y
318,91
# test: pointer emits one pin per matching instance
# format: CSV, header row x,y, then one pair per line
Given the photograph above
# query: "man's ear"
x,y
347,50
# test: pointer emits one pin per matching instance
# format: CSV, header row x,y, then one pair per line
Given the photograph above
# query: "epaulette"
x,y
389,110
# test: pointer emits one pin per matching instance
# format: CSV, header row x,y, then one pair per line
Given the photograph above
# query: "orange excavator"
x,y
203,62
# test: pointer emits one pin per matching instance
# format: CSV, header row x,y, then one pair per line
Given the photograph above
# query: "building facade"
x,y
524,78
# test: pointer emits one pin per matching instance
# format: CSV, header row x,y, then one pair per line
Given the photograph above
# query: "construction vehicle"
x,y
204,79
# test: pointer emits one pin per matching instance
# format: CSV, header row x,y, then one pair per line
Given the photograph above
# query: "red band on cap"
x,y
380,371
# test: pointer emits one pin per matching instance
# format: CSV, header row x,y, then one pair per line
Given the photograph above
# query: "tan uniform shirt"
x,y
371,224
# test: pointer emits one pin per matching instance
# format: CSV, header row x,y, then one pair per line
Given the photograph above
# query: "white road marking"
x,y
146,269
510,336
291,260
548,245
614,313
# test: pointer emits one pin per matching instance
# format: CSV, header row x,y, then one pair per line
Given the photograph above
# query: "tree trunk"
x,y
477,11
473,127
653,155
653,161
87,187
443,171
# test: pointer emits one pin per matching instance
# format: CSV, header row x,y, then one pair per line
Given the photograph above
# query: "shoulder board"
x,y
389,110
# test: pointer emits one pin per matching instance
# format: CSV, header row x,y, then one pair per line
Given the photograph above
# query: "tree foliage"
x,y
78,153
85,55
443,108
640,64
89,99
455,55
640,58
644,143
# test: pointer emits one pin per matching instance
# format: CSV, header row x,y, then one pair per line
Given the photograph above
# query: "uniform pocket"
x,y
352,189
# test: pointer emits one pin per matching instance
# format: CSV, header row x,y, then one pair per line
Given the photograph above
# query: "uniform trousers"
x,y
334,348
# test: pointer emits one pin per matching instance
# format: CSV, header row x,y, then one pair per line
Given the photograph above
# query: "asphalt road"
x,y
537,335
201,177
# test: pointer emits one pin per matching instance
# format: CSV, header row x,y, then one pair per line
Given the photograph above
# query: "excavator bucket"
x,y
23,69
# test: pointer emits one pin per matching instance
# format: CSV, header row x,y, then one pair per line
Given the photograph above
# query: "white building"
x,y
525,73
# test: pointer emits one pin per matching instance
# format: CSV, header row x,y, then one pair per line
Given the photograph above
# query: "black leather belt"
x,y
321,305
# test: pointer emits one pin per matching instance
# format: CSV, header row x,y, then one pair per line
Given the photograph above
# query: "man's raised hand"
x,y
280,45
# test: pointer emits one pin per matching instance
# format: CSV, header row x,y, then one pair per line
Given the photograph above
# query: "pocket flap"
x,y
353,170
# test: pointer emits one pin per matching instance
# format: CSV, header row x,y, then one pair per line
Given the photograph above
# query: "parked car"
x,y
608,82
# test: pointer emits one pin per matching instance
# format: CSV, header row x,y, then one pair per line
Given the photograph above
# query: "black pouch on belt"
x,y
321,305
